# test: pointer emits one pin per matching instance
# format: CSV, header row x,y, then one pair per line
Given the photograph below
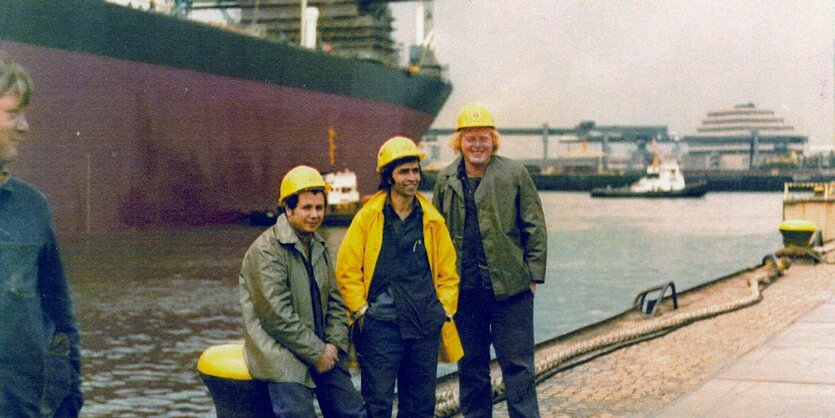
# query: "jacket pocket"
x,y
19,268
59,376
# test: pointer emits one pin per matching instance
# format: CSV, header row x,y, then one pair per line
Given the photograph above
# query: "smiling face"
x,y
406,179
12,125
477,146
308,214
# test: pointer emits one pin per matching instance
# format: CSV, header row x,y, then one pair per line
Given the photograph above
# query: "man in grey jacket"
x,y
295,325
495,218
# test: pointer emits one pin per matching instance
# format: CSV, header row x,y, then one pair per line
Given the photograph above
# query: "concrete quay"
x,y
773,357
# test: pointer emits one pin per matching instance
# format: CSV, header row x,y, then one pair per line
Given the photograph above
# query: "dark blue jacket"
x,y
40,360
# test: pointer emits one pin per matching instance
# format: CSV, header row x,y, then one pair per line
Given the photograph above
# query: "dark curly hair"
x,y
386,178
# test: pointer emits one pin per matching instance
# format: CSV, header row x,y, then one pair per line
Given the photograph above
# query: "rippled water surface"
x,y
150,302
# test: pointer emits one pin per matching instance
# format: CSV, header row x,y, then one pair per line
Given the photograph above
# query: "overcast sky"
x,y
635,62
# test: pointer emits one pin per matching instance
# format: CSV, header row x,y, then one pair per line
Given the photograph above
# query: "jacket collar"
x,y
453,172
8,183
388,205
285,235
378,202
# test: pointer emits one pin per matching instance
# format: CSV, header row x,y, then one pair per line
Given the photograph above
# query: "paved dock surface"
x,y
790,375
774,358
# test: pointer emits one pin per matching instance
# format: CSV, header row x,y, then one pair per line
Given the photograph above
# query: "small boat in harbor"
x,y
343,201
343,197
663,180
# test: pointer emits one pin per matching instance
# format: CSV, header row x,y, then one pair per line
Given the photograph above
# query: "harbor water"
x,y
150,302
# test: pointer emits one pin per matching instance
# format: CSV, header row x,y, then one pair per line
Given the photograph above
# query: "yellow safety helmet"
x,y
299,179
396,148
474,115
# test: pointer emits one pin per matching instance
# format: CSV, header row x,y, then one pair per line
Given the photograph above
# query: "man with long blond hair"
x,y
495,218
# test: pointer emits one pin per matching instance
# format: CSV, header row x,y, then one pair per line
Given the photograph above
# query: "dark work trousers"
x,y
413,363
508,325
334,390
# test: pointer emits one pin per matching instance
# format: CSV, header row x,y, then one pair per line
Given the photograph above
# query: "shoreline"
x,y
717,181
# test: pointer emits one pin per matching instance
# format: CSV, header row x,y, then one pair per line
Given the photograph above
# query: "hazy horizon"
x,y
621,62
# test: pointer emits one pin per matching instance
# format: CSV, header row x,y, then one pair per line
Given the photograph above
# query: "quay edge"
x,y
684,372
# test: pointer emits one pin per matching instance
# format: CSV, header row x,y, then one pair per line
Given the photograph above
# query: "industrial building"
x,y
742,138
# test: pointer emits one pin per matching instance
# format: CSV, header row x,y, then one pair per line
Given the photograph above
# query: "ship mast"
x,y
422,54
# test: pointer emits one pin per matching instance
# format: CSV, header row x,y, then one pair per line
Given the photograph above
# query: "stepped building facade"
x,y
742,138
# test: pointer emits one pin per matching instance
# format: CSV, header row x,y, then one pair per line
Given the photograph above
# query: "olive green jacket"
x,y
510,219
280,343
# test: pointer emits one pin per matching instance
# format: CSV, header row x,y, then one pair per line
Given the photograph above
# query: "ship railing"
x,y
809,190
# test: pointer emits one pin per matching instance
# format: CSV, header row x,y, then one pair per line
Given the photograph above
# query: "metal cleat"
x,y
648,305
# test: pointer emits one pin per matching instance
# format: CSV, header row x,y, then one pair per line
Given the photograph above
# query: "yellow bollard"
x,y
235,393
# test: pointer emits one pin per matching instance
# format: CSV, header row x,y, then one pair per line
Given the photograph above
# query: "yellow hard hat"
x,y
299,179
396,148
474,115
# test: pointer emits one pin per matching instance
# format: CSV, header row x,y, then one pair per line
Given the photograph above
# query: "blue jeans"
x,y
385,357
508,325
334,391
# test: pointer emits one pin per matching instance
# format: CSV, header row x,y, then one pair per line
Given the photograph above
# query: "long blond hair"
x,y
455,140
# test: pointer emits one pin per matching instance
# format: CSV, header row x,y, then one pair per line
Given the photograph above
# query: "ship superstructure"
x,y
351,29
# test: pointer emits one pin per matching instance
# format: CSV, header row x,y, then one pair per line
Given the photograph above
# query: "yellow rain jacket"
x,y
358,254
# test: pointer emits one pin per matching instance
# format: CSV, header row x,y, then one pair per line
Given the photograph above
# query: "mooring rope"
x,y
447,403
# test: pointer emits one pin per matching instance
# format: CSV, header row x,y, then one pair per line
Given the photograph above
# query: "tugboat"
x,y
663,180
343,197
343,201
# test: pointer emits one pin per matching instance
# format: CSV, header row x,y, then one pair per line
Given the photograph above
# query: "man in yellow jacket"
x,y
397,274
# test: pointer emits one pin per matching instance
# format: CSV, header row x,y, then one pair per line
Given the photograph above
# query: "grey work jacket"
x,y
510,219
280,343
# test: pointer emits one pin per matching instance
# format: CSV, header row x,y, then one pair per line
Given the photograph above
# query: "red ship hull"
x,y
117,144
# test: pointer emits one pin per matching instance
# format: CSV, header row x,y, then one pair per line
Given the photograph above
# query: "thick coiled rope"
x,y
447,402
